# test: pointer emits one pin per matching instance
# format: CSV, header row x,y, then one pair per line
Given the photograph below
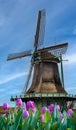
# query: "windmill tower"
x,y
46,78
46,85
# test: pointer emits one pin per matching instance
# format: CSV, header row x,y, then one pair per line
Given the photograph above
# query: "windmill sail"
x,y
40,30
56,49
28,78
19,55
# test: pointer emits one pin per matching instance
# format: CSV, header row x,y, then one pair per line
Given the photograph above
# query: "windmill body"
x,y
46,77
46,85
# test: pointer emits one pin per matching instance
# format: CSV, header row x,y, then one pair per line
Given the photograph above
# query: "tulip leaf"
x,y
47,117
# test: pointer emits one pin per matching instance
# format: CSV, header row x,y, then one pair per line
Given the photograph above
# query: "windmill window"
x,y
48,80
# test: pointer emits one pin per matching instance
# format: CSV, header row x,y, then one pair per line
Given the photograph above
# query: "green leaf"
x,y
55,126
18,119
47,117
63,124
48,126
34,120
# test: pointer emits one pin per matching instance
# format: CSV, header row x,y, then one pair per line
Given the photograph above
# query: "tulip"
x,y
19,102
30,104
58,107
5,106
42,117
26,114
51,108
69,112
44,109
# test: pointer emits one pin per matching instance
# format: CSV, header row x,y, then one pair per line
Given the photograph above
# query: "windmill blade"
x,y
56,49
40,30
28,78
19,55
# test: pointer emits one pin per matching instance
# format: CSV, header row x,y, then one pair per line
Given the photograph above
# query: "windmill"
x,y
45,61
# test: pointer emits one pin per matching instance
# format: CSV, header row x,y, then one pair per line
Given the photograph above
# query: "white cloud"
x,y
14,92
9,78
71,88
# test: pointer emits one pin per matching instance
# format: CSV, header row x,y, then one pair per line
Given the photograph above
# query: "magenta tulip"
x,y
51,108
26,114
58,107
19,102
5,106
30,104
70,112
44,109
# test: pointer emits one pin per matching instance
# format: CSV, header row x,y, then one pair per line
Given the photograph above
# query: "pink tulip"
x,y
30,104
58,107
26,114
44,109
51,108
42,117
5,106
19,102
70,112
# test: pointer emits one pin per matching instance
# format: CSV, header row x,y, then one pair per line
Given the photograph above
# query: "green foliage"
x,y
15,121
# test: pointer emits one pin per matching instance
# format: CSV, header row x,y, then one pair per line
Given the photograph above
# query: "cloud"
x,y
71,88
14,92
9,78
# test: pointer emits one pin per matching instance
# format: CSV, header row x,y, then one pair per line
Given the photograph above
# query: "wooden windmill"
x,y
46,78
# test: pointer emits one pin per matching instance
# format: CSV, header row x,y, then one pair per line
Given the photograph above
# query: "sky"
x,y
18,19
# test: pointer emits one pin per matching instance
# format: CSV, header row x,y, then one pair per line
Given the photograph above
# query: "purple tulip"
x,y
30,104
5,106
51,108
42,117
58,107
70,112
26,114
44,109
19,102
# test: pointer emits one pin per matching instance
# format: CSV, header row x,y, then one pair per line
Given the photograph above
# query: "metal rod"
x,y
62,74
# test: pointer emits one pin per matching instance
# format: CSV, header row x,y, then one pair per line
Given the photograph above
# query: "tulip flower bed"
x,y
28,117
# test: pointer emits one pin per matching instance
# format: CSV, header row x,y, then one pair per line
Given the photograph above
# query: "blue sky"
x,y
17,29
